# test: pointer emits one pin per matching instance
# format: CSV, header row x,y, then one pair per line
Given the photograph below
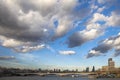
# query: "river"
x,y
52,78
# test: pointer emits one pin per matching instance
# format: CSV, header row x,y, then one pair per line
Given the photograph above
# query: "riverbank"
x,y
89,76
52,78
104,75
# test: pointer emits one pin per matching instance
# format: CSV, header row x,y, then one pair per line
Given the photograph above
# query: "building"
x,y
87,69
110,67
104,68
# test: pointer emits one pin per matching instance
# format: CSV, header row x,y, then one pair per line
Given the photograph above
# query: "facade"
x,y
110,67
104,68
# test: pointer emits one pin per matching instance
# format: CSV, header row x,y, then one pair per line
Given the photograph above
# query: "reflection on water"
x,y
51,78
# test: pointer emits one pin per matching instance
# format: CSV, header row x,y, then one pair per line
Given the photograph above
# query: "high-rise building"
x,y
111,64
110,67
93,69
87,69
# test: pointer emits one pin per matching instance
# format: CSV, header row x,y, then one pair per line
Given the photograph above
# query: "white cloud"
x,y
29,48
80,37
63,27
93,26
113,20
33,21
100,9
25,25
11,43
20,46
98,17
105,46
91,34
94,52
67,52
101,1
119,33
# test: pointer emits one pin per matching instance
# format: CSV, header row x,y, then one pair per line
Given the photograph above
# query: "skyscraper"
x,y
93,69
111,65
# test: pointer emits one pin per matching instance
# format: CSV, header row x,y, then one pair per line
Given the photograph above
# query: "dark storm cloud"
x,y
100,49
76,40
31,36
12,27
9,18
26,6
80,37
103,48
21,29
89,55
7,57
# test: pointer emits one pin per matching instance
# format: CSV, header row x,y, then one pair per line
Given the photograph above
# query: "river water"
x,y
52,78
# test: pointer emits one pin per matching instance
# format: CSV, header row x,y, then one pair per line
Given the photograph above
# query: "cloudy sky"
x,y
59,33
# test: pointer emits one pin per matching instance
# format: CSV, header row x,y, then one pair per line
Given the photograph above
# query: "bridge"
x,y
80,74
64,74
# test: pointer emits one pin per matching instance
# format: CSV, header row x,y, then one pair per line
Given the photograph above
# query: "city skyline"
x,y
65,34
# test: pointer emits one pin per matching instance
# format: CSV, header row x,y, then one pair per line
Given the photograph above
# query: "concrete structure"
x,y
104,68
110,67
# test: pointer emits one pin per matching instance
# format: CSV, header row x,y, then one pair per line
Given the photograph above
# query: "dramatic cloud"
x,y
28,25
32,21
113,20
67,52
109,21
81,37
105,46
29,48
92,31
94,28
20,46
7,57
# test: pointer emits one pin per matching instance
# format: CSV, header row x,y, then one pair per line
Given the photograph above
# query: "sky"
x,y
65,34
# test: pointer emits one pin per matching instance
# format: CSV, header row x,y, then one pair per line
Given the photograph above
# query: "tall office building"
x,y
111,65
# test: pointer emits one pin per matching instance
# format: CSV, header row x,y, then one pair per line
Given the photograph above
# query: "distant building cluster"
x,y
110,67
